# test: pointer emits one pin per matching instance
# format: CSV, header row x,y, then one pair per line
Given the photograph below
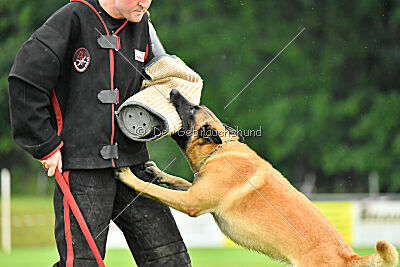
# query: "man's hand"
x,y
50,164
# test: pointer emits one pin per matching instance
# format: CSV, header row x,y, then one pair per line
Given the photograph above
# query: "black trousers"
x,y
148,226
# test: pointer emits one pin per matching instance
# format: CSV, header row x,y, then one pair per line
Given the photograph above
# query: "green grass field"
x,y
224,257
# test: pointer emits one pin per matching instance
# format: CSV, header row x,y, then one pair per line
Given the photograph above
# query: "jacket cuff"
x,y
47,149
52,152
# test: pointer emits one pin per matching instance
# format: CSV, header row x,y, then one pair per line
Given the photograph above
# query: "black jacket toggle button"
x,y
109,96
109,42
109,152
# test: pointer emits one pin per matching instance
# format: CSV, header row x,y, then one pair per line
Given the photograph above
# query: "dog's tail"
x,y
386,256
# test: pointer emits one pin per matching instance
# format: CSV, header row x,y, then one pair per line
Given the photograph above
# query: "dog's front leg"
x,y
185,201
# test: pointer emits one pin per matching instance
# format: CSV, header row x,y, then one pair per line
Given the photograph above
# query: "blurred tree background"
x,y
328,105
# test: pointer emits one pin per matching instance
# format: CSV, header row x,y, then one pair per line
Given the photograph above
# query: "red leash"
x,y
78,215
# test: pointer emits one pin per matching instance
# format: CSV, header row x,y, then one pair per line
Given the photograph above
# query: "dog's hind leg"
x,y
188,202
171,181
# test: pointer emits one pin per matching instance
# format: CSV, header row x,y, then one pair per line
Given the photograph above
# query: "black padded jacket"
x,y
67,81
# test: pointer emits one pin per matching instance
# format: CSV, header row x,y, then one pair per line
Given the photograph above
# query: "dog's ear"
x,y
234,132
211,134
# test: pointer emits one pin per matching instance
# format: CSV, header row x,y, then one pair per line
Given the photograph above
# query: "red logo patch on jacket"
x,y
81,59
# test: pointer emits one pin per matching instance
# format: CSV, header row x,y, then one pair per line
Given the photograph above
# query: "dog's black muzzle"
x,y
182,106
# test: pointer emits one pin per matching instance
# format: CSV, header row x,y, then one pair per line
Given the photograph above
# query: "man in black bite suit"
x,y
65,85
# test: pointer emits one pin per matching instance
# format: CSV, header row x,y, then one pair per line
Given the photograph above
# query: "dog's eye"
x,y
192,110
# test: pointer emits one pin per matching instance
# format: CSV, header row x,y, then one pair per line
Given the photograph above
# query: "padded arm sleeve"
x,y
31,121
32,79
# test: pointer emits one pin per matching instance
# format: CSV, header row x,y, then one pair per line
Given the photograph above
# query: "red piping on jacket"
x,y
57,111
112,85
95,11
67,227
111,54
59,119
121,27
147,52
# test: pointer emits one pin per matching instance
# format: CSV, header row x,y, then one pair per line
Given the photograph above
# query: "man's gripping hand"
x,y
51,163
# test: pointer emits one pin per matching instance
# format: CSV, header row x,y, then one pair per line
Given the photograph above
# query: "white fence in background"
x,y
375,220
5,211
196,232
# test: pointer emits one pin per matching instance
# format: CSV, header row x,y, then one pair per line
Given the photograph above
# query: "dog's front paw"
x,y
122,173
126,176
152,169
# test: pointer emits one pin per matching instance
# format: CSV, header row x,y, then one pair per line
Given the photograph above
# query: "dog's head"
x,y
199,125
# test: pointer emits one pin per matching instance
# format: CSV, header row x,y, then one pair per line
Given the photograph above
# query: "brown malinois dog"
x,y
252,203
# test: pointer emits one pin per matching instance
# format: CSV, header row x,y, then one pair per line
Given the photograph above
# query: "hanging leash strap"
x,y
78,215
